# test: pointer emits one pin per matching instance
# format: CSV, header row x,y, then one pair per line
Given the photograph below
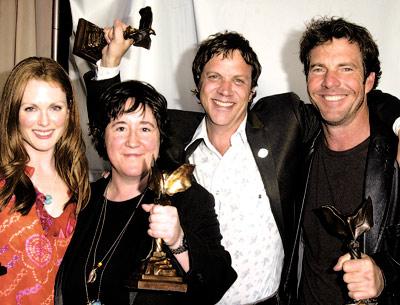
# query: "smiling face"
x,y
225,91
336,84
132,141
43,116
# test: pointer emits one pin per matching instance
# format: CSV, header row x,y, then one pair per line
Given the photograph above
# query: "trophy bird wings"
x,y
141,36
363,219
169,184
179,180
347,226
333,221
146,18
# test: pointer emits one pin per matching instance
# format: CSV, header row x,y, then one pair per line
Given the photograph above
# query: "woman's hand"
x,y
116,46
164,223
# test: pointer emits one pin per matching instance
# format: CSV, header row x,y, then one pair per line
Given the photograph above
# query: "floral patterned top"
x,y
31,248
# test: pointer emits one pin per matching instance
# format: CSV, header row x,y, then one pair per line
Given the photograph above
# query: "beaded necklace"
x,y
101,264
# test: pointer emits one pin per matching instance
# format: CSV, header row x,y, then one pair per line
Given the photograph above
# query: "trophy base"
x,y
363,302
158,274
89,41
159,282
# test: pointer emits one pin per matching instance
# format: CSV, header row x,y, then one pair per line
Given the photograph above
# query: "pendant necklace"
x,y
101,265
48,199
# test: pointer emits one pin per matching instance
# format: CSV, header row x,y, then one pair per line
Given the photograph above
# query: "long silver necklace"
x,y
102,263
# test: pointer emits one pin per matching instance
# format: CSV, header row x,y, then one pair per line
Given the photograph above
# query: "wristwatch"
x,y
182,248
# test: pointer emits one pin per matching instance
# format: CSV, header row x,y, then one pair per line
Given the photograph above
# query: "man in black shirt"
x,y
352,158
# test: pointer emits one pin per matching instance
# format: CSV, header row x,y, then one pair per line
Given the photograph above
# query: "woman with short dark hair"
x,y
115,233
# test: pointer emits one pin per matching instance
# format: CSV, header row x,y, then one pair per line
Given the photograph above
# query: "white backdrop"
x,y
273,28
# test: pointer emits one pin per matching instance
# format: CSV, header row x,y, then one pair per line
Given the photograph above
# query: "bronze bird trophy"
x,y
349,228
89,38
158,272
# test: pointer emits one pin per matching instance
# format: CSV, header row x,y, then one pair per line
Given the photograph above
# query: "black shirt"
x,y
117,267
337,178
210,273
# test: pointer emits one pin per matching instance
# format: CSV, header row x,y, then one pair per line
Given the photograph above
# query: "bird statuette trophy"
x,y
89,38
158,272
349,228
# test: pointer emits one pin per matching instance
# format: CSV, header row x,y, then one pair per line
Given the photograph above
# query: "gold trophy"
x,y
90,41
349,228
158,272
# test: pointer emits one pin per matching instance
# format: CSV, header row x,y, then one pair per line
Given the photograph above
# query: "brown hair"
x,y
324,29
70,159
225,43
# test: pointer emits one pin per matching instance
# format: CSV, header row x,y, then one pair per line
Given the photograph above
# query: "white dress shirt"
x,y
248,227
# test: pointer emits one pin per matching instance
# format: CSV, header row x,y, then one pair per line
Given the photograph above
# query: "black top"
x,y
209,262
118,265
335,180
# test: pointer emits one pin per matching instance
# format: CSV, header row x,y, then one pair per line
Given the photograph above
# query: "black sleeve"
x,y
385,106
388,257
211,273
94,89
289,110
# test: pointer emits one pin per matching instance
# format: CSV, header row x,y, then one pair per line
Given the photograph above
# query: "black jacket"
x,y
382,242
210,273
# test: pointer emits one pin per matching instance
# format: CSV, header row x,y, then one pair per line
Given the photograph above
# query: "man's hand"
x,y
363,277
164,223
116,46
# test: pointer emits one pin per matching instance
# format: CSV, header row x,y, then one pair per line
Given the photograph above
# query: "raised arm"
x,y
107,73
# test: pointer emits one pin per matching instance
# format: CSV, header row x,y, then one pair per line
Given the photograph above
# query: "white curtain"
x,y
273,28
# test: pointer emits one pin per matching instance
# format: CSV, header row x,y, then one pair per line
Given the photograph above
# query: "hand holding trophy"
x,y
89,38
158,272
349,228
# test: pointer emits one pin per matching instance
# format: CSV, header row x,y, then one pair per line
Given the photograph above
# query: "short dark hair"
x,y
112,104
225,43
324,29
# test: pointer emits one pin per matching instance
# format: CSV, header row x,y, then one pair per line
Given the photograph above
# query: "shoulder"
x,y
287,99
181,122
197,190
98,186
179,130
195,197
376,95
96,192
283,107
382,135
184,114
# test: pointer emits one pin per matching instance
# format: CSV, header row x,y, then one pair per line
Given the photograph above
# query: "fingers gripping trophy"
x,y
349,228
158,272
90,41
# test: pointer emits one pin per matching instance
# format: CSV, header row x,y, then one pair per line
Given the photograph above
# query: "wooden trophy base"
x,y
159,274
89,38
159,282
89,41
364,302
